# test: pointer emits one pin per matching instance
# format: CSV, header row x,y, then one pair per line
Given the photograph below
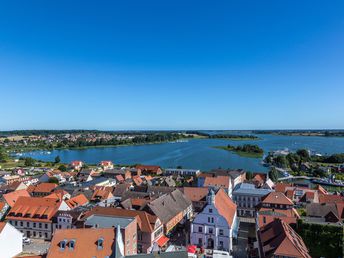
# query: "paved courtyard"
x,y
36,247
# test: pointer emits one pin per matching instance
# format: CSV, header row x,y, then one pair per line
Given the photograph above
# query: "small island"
x,y
246,150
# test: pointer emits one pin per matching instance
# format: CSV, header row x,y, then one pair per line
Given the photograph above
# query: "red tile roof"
x,y
218,181
137,180
76,201
277,198
85,243
195,194
101,195
12,197
44,188
149,168
2,225
330,198
279,239
225,206
34,209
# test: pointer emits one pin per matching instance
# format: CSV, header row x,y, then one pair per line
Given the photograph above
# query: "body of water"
x,y
195,153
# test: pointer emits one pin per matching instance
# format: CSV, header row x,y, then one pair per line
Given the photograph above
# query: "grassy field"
x,y
241,153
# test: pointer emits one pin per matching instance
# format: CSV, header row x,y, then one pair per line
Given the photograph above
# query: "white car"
x,y
26,240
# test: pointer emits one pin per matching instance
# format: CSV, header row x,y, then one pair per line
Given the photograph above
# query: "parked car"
x,y
26,240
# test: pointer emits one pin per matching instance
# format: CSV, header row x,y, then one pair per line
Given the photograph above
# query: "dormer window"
x,y
100,243
63,244
210,210
72,244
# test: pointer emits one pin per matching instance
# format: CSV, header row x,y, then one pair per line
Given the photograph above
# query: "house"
x,y
59,194
76,164
76,201
76,243
237,176
67,219
128,227
247,197
216,225
106,164
278,239
33,215
197,195
12,197
43,189
149,170
298,193
101,195
276,205
171,209
11,240
114,172
217,182
149,227
182,172
326,212
330,198
137,180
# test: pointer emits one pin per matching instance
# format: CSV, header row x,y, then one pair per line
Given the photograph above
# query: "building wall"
x,y
209,224
39,230
130,238
11,241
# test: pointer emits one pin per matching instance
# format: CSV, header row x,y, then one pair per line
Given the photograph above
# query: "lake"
x,y
195,153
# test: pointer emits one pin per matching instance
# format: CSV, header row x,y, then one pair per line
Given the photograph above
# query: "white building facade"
x,y
211,229
11,240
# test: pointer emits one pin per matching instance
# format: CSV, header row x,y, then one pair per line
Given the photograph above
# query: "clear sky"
x,y
171,64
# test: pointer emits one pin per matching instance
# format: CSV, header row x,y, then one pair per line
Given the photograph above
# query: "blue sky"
x,y
171,64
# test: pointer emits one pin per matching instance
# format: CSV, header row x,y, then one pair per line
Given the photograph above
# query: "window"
x,y
40,234
200,229
34,224
264,220
28,224
15,223
100,243
212,220
63,244
46,235
210,231
71,244
221,232
34,233
40,225
210,210
208,219
46,226
200,241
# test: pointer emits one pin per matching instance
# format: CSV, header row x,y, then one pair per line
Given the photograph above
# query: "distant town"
x,y
58,209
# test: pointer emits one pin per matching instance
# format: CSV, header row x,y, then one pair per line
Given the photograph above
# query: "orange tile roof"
x,y
266,216
281,187
145,220
12,197
150,168
34,209
277,198
330,198
2,225
119,178
76,201
85,243
137,180
195,194
278,239
45,188
218,181
225,206
100,194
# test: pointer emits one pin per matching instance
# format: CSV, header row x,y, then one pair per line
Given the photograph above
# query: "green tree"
x,y
28,162
304,154
57,159
3,155
62,168
53,180
273,174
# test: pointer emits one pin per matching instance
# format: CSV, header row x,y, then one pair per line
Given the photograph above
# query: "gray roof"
x,y
169,205
103,221
321,210
250,189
